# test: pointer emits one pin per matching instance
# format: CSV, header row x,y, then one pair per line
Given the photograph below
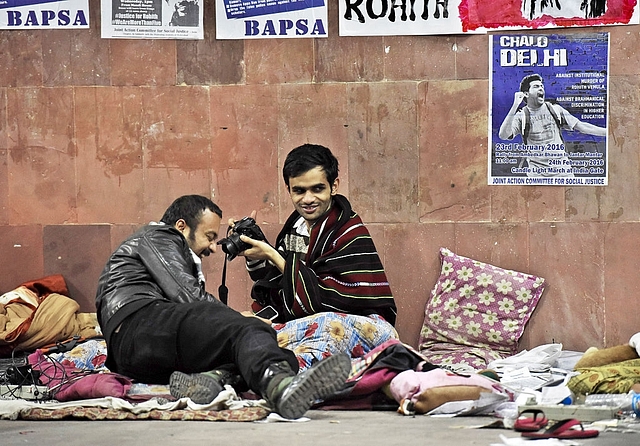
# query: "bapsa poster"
x,y
44,14
269,19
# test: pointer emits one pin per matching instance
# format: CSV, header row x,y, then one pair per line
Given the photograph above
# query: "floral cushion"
x,y
477,312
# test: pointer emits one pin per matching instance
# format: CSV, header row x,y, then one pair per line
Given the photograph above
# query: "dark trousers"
x,y
194,337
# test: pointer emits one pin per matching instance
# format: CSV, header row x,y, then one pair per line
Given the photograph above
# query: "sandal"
x,y
562,429
533,423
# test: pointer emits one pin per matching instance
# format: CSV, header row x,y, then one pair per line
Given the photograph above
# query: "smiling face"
x,y
311,194
201,240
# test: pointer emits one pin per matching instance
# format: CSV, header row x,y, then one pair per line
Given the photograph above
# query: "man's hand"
x,y
518,97
259,250
262,251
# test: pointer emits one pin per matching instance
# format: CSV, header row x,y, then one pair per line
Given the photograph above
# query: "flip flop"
x,y
533,423
562,429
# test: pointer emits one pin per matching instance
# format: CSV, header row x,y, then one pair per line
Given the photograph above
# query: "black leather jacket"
x,y
154,263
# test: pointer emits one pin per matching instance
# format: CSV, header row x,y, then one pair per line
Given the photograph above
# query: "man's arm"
x,y
505,131
590,129
262,251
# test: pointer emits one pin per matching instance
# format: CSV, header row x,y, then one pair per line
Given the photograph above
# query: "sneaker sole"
x,y
201,389
318,382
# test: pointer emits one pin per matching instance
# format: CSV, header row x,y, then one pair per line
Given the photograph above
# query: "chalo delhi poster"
x,y
548,109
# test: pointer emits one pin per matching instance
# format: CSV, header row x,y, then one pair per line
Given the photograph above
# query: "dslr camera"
x,y
232,245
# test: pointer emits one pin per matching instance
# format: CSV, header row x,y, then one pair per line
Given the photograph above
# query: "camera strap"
x,y
223,291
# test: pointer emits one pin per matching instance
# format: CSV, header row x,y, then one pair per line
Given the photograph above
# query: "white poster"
x,y
268,19
152,19
34,14
426,17
401,18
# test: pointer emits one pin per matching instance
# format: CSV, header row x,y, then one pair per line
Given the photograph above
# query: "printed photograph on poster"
x,y
269,19
44,14
152,19
548,109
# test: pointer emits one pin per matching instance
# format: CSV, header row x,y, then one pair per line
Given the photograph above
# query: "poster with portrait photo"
x,y
548,109
152,19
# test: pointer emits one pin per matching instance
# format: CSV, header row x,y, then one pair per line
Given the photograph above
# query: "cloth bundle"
x,y
421,392
39,313
67,383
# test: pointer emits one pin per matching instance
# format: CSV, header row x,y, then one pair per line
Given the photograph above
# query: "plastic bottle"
x,y
626,402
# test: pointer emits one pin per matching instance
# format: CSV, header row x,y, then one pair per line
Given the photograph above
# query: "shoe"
x,y
200,387
292,395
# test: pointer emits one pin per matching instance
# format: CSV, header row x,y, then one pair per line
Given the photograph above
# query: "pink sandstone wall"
x,y
98,136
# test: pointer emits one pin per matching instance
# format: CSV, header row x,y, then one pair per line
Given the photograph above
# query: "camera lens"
x,y
232,245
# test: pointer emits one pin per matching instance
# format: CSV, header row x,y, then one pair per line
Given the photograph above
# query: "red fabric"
x,y
67,383
47,285
97,385
373,380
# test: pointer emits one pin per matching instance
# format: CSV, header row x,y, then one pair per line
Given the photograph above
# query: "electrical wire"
x,y
47,369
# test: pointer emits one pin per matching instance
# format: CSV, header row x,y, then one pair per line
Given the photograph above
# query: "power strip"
x,y
26,392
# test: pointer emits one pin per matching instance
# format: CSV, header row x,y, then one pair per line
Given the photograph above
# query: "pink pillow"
x,y
477,312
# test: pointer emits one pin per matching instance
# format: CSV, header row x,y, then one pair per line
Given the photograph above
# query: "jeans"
x,y
163,337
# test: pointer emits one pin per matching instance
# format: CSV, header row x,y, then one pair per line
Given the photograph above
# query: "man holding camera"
x,y
323,276
162,326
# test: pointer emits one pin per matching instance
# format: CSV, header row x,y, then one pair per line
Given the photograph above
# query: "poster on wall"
x,y
268,19
152,19
389,18
548,109
532,14
44,14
